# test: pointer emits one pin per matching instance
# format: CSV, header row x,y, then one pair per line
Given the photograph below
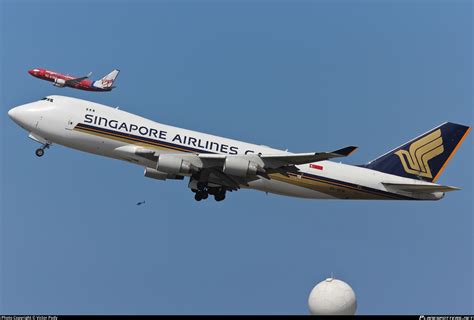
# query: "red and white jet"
x,y
82,83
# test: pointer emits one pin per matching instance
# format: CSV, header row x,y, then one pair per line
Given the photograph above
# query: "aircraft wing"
x,y
214,168
266,161
75,81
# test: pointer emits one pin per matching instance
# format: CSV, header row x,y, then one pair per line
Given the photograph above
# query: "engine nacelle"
x,y
173,165
240,167
59,82
155,174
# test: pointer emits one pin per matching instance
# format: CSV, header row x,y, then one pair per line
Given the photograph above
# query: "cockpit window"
x,y
47,99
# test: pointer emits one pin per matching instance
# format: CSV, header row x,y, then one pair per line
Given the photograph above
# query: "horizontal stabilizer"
x,y
419,188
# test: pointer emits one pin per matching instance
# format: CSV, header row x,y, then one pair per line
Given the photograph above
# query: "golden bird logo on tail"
x,y
415,160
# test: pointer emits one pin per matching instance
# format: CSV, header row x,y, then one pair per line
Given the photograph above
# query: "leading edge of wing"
x,y
268,160
77,80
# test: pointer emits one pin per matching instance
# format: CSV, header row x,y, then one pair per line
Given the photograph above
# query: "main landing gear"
x,y
40,151
204,191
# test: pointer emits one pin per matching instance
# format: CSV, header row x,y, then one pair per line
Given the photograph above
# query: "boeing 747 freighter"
x,y
215,165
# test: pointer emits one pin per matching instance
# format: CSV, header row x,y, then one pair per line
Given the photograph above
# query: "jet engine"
x,y
59,82
174,165
240,167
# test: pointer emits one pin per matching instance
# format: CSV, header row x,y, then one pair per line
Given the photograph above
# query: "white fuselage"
x,y
102,130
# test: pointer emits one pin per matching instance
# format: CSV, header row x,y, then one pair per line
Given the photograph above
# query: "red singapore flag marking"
x,y
315,166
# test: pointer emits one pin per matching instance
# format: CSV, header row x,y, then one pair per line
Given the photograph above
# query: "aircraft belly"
x,y
90,143
323,189
287,189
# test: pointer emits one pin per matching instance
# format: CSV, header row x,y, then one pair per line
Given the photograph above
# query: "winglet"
x,y
89,74
344,152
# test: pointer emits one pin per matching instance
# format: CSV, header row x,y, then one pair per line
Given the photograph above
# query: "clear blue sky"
x,y
307,76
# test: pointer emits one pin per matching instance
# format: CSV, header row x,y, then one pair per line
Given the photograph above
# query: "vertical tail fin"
x,y
107,82
424,157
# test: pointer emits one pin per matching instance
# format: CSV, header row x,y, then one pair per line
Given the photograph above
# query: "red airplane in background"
x,y
82,83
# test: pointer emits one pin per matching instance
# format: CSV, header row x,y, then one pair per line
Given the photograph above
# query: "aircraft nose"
x,y
22,115
31,72
14,114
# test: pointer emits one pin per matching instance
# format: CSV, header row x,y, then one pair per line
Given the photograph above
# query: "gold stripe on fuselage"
x,y
333,189
120,138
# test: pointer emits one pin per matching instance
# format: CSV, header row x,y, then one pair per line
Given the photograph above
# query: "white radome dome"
x,y
332,297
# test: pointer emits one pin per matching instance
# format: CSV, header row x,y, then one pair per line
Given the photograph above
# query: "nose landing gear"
x,y
40,151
